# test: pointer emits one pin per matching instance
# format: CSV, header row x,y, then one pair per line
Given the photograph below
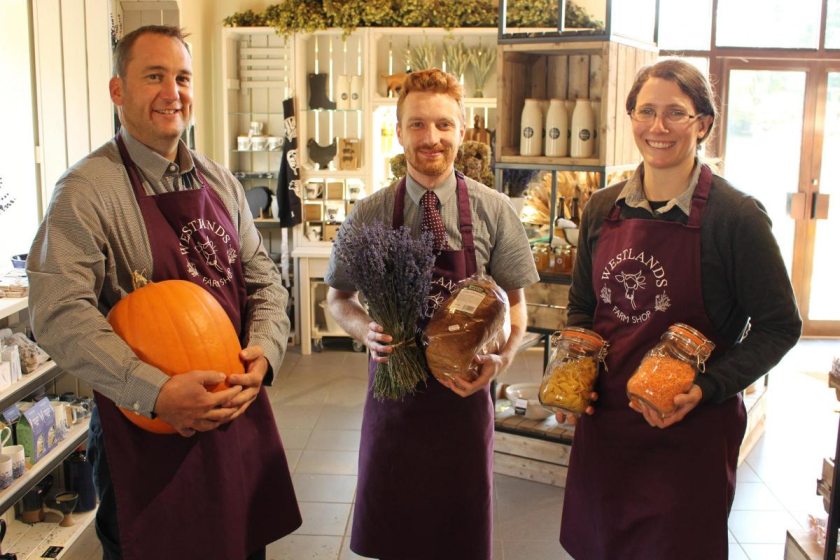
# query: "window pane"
x,y
674,34
824,304
634,18
832,25
764,140
769,23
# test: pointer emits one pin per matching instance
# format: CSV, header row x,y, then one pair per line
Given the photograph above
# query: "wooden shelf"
x,y
28,383
75,437
801,545
511,155
31,542
9,306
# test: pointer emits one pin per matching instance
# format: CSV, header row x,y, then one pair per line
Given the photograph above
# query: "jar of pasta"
x,y
669,368
570,376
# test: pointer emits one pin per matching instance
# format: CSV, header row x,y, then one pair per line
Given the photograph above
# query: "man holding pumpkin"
x,y
144,202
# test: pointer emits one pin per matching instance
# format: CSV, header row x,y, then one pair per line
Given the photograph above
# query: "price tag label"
x,y
520,406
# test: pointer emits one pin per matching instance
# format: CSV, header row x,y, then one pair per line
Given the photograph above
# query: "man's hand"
x,y
185,403
685,403
256,366
376,340
490,365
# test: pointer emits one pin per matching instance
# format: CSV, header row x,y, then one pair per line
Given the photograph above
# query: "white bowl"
x,y
529,392
571,235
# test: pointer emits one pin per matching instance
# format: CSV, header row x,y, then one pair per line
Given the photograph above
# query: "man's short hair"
x,y
122,52
432,80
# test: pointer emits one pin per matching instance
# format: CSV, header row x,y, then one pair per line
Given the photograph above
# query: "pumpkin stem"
x,y
138,280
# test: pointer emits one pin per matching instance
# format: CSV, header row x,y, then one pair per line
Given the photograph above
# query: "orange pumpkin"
x,y
176,326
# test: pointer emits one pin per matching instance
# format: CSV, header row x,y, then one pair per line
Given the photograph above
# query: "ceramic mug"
x,y
6,471
5,435
313,190
259,143
243,143
255,129
16,452
63,416
274,143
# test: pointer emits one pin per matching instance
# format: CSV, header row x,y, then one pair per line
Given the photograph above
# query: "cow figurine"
x,y
394,83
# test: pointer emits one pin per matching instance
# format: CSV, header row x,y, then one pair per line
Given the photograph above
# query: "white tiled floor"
x,y
318,402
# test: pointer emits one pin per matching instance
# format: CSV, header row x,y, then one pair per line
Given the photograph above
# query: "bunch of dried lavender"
x,y
393,270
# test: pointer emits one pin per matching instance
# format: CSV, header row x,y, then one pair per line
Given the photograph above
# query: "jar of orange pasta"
x,y
669,368
570,376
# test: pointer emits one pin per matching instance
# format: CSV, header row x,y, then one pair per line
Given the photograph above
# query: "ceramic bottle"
x,y
583,130
531,130
556,129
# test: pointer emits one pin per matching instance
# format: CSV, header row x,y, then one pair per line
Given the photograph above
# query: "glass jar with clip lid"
x,y
570,376
669,368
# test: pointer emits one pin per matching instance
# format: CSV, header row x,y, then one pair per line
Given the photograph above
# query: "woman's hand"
x,y
572,419
376,340
685,403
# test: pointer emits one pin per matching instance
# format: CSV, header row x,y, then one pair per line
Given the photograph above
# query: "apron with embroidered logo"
x,y
425,463
222,494
633,491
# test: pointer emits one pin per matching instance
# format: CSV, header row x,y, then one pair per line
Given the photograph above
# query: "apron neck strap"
x,y
701,196
131,168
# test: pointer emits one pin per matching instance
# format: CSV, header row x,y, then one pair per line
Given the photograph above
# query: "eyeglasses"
x,y
647,115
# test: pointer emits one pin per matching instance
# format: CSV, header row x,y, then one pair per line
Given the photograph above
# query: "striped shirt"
x,y
93,237
501,245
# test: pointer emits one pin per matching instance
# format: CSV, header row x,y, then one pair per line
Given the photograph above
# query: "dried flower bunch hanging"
x,y
293,16
393,271
456,56
483,60
350,14
422,56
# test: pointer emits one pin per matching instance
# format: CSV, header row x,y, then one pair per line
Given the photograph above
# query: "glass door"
x,y
782,123
822,308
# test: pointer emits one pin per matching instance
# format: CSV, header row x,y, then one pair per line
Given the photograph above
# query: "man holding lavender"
x,y
425,461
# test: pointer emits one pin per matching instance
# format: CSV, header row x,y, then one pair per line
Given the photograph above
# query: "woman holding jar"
x,y
673,244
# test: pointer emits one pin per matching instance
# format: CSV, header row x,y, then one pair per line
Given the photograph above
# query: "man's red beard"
x,y
436,167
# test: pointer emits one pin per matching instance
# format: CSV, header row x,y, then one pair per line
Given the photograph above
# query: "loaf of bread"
x,y
470,322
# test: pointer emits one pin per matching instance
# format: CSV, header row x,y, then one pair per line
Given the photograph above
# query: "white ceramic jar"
x,y
531,130
557,129
583,130
356,92
342,92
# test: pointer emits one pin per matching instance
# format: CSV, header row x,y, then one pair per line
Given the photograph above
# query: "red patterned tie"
x,y
432,220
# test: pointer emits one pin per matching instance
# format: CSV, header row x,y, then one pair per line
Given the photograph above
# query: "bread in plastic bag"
x,y
31,355
475,319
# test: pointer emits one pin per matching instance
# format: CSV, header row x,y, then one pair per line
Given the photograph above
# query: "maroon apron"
x,y
634,491
225,493
426,463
